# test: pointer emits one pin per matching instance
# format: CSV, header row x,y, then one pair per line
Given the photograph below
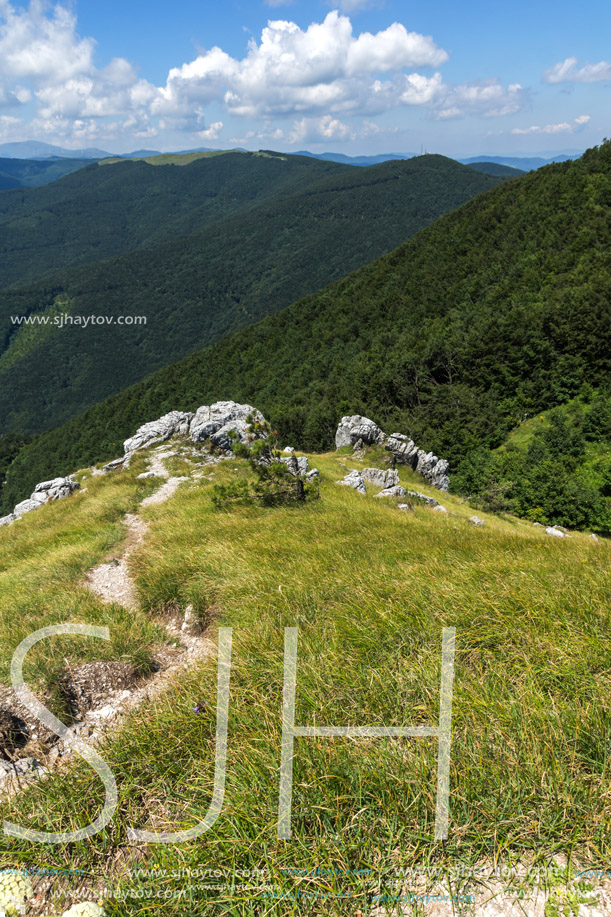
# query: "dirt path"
x,y
112,581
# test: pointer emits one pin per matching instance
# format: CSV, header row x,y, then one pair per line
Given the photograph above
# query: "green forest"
x,y
262,249
496,312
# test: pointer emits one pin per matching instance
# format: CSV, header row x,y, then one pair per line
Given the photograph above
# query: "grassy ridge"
x,y
370,589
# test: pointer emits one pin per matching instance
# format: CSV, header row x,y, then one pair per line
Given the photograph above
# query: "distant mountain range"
x,y
30,149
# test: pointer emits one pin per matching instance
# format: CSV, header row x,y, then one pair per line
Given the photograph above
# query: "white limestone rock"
x,y
405,452
380,478
395,491
157,431
296,464
353,479
212,418
355,427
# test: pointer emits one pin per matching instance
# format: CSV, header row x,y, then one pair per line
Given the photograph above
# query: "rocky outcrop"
x,y
219,423
216,421
355,428
157,431
359,431
45,492
405,452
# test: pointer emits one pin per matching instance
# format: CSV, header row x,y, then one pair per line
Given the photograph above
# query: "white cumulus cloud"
x,y
315,81
564,127
324,68
569,71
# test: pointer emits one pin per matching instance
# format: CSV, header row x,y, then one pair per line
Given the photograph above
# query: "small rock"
x,y
116,463
439,509
405,507
145,475
297,465
552,530
312,475
475,520
594,537
289,450
396,491
353,479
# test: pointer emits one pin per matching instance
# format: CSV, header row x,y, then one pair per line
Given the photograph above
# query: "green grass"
x,y
370,589
43,561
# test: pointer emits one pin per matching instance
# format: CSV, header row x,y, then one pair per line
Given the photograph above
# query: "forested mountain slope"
x,y
196,288
497,310
110,208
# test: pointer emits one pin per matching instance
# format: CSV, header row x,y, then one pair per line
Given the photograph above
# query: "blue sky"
x,y
361,76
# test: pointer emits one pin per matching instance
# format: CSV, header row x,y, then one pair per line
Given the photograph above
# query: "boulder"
x,y
439,509
552,530
296,464
353,479
289,450
395,491
210,419
55,489
379,478
592,535
6,520
90,684
405,507
157,431
475,520
351,429
26,506
312,475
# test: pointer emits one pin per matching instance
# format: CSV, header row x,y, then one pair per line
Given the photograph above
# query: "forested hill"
x,y
106,209
196,288
498,309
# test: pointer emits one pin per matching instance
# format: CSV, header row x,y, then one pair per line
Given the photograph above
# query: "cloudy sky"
x,y
358,76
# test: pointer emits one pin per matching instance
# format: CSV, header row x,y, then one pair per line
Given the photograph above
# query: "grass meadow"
x,y
370,588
